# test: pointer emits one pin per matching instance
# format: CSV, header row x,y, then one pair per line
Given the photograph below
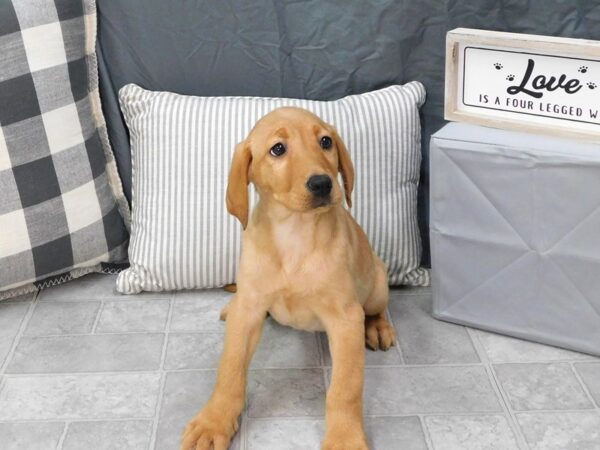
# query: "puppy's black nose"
x,y
319,185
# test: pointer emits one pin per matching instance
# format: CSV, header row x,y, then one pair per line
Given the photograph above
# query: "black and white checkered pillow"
x,y
61,201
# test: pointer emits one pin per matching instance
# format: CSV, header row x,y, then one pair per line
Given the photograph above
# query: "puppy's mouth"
x,y
321,202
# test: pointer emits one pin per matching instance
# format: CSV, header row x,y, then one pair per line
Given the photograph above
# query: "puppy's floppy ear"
x,y
346,167
237,186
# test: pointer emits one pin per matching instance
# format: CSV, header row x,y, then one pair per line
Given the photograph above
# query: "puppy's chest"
x,y
296,309
303,253
303,264
297,269
303,276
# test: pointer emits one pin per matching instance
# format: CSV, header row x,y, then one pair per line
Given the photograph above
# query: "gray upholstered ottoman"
x,y
515,234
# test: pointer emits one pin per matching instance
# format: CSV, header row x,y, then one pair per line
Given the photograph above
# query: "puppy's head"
x,y
292,157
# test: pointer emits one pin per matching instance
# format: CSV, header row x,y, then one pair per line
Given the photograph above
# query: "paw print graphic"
x,y
511,77
591,85
498,66
583,69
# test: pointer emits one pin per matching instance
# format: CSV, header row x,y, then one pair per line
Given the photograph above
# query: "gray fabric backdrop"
x,y
313,49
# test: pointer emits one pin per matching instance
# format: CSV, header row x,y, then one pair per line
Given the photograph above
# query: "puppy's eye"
x,y
326,142
278,149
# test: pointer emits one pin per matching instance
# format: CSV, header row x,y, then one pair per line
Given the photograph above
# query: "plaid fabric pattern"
x,y
61,202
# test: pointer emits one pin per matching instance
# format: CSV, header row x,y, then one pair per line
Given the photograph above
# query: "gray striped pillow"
x,y
181,234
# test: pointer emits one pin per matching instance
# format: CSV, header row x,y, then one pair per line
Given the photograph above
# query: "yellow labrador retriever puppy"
x,y
307,263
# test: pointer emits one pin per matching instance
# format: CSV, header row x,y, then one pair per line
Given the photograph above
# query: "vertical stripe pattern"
x,y
181,234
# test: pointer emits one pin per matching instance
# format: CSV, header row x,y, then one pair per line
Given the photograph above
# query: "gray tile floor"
x,y
83,367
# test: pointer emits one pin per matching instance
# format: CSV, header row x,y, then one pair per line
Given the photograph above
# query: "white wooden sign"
x,y
523,82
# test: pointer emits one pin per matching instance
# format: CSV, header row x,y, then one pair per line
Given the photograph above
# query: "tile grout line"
x,y
97,318
553,411
63,436
111,333
289,418
292,418
513,422
319,336
163,376
426,433
320,350
244,431
86,297
500,394
79,420
412,414
583,385
477,345
17,338
322,339
213,369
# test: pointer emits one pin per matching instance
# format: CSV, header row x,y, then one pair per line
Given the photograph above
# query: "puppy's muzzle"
x,y
320,187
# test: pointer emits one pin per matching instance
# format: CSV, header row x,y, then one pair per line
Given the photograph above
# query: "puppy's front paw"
x,y
344,439
210,429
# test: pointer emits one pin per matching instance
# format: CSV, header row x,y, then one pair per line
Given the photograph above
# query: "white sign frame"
x,y
566,105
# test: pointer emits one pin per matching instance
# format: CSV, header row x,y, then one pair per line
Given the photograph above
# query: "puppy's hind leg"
x,y
379,333
230,288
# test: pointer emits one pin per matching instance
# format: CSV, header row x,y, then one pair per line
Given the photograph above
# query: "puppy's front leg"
x,y
217,422
344,415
